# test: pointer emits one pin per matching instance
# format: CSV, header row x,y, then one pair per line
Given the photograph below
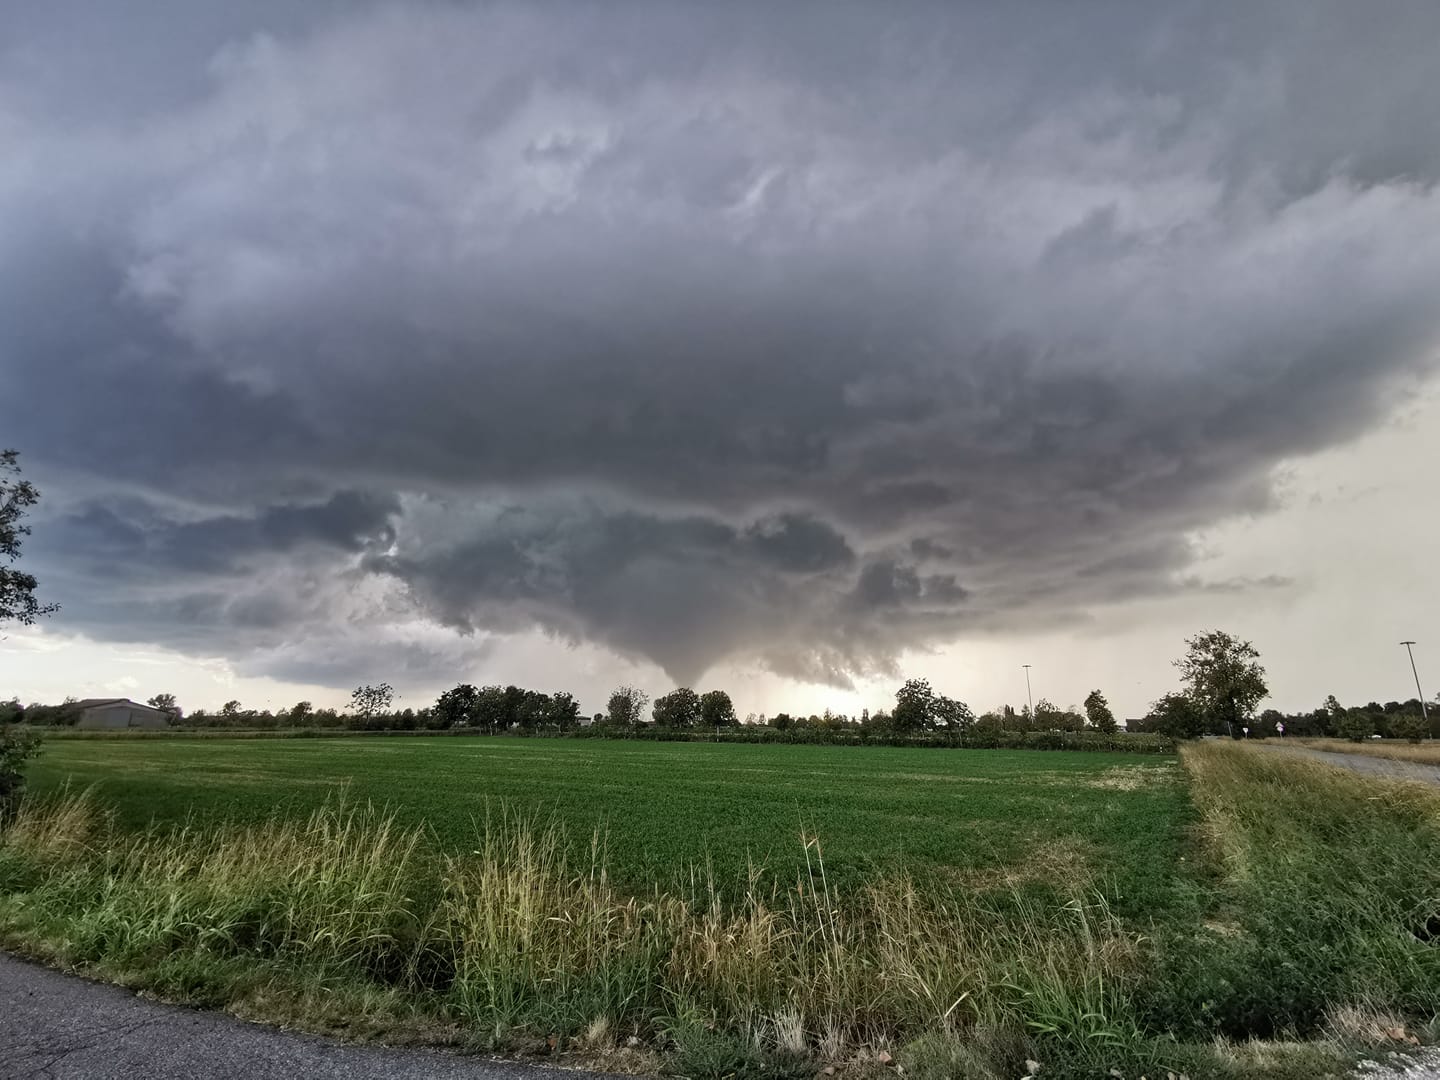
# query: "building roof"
x,y
94,702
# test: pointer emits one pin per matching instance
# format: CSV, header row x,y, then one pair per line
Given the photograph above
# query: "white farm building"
x,y
119,713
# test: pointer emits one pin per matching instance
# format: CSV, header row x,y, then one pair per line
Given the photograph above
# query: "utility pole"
x,y
1424,712
1029,696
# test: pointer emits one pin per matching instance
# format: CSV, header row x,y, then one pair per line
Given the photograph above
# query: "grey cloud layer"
x,y
801,336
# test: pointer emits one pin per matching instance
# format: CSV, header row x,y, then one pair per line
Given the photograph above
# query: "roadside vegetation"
x,y
17,747
1328,899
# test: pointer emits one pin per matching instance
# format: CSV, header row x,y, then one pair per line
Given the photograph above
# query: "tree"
x,y
1176,715
952,715
1050,717
17,590
717,710
564,710
626,706
531,710
1268,722
994,720
1355,724
1331,714
678,709
513,705
300,712
1098,714
166,703
1408,726
16,748
1224,679
914,706
494,708
878,722
368,700
230,710
458,705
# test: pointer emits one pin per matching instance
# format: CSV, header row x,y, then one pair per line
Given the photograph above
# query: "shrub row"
x,y
971,739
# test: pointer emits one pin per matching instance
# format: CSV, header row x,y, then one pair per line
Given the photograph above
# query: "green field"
x,y
1113,821
1240,913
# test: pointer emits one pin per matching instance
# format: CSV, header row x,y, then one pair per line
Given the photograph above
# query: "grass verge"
x,y
1327,899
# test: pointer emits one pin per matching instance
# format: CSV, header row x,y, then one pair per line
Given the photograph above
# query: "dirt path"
x,y
55,1026
1389,768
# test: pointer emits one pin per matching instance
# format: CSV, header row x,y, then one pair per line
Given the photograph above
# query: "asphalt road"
x,y
1389,768
59,1027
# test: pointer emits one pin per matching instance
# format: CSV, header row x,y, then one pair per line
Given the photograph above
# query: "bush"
x,y
1408,726
17,746
975,738
1355,725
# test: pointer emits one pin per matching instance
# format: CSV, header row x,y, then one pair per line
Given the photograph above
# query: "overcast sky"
x,y
791,348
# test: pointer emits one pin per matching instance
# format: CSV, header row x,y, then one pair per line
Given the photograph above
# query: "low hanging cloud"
x,y
801,336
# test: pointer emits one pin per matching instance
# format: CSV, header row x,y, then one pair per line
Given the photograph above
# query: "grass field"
x,y
1112,822
963,911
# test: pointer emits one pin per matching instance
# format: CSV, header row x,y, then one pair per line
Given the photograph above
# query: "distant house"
x,y
118,713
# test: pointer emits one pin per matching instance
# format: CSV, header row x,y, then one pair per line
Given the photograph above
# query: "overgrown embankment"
x,y
1329,894
751,735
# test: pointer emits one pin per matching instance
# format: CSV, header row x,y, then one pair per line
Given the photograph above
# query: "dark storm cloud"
x,y
621,577
130,536
240,585
801,333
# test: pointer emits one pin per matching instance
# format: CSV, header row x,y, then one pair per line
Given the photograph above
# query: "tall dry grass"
x,y
334,889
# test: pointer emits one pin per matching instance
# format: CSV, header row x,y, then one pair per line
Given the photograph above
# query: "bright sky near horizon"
x,y
789,349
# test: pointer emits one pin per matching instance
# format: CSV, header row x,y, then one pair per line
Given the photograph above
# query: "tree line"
x,y
918,710
1330,719
1222,685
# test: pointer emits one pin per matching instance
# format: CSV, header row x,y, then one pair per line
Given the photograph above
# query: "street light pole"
x,y
1029,696
1424,712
